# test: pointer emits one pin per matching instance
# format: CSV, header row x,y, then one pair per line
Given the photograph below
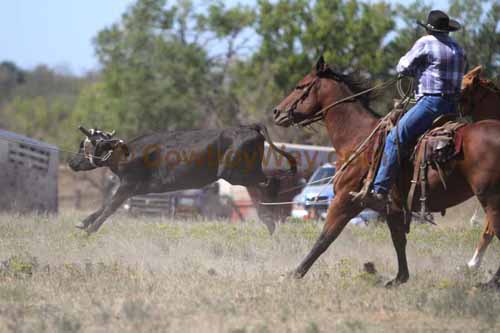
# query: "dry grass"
x,y
159,275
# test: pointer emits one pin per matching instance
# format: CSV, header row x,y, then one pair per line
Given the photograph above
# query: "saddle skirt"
x,y
435,148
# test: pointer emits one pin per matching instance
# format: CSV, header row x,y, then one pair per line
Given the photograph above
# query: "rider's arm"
x,y
413,59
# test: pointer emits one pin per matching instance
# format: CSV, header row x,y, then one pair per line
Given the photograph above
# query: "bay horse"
x,y
480,99
349,123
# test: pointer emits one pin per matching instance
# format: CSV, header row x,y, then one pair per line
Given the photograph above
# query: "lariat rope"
x,y
361,147
320,115
361,93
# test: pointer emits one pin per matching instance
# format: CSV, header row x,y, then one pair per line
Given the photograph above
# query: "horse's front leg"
x,y
398,234
485,240
339,213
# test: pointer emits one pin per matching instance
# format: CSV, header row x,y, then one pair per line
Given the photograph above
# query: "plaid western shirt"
x,y
437,62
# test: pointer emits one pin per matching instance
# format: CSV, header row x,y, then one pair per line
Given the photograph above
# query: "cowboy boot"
x,y
376,201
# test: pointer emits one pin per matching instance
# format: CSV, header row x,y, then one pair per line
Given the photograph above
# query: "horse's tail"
x,y
293,162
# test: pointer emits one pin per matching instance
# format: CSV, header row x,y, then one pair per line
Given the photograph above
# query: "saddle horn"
x,y
84,131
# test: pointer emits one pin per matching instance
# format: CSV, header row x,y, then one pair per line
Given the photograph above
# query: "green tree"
x,y
228,30
10,77
293,33
38,102
152,74
349,33
408,31
480,33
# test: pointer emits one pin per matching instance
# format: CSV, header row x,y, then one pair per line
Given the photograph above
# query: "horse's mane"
x,y
354,84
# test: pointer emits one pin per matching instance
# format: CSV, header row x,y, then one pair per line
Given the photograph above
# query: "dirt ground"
x,y
151,274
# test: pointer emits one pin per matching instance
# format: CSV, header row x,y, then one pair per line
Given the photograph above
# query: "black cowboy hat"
x,y
438,21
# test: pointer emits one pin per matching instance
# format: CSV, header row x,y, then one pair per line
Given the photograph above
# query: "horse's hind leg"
x,y
491,205
485,240
398,230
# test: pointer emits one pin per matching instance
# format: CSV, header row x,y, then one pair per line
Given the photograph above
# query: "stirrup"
x,y
358,196
371,200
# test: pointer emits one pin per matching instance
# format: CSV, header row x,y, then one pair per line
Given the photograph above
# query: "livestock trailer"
x,y
28,174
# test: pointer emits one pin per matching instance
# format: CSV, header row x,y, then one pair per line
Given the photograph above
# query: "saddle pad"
x,y
459,139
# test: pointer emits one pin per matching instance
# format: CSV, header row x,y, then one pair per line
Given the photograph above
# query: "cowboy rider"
x,y
438,64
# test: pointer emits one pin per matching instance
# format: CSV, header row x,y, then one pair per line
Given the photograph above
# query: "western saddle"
x,y
435,148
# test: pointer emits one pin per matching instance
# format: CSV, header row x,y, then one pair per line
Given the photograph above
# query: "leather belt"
x,y
452,97
440,94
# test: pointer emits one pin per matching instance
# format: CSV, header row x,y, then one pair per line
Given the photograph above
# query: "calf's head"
x,y
96,150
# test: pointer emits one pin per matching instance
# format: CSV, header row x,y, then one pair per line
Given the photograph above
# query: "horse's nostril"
x,y
276,112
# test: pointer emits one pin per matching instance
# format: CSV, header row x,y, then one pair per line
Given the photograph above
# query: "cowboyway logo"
x,y
156,156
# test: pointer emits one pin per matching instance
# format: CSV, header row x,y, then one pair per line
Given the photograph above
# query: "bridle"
x,y
306,89
304,120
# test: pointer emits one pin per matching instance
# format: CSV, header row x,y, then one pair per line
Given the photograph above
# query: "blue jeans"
x,y
412,125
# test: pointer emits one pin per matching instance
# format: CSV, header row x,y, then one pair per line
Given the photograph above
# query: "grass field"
x,y
160,275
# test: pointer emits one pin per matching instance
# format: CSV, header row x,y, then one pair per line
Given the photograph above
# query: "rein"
x,y
362,146
320,115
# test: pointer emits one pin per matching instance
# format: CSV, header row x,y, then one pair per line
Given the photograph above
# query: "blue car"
x,y
313,201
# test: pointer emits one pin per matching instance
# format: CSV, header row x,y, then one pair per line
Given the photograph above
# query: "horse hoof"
x,y
80,225
391,284
396,282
